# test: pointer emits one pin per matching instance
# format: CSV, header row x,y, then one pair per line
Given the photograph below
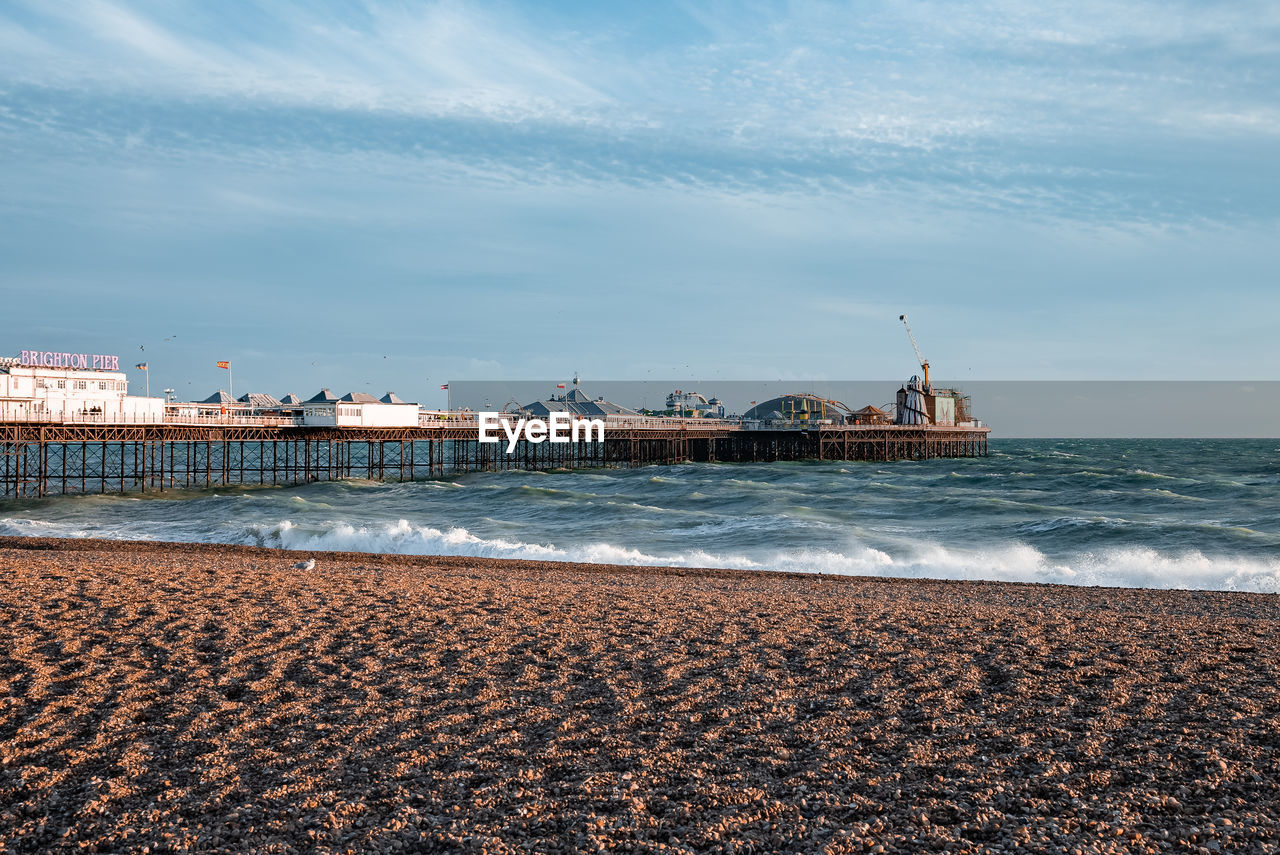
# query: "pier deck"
x,y
52,458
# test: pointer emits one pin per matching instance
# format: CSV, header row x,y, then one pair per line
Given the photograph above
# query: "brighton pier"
x,y
69,430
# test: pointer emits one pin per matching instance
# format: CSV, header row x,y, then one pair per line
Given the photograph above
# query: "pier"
x,y
44,458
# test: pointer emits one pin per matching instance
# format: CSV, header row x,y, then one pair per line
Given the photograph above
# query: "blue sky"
x,y
375,196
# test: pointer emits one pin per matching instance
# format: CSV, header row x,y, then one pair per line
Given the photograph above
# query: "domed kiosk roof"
x,y
802,407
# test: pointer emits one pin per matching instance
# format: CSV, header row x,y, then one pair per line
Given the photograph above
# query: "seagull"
x,y
309,564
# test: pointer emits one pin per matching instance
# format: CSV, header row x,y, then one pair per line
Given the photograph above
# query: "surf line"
x,y
558,427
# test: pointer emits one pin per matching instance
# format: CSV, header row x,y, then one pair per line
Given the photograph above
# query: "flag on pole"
x,y
559,385
226,365
444,385
141,366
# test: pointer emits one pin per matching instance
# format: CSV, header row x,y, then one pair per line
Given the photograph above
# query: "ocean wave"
x,y
26,527
1109,517
1130,567
1169,494
1061,523
555,493
1127,567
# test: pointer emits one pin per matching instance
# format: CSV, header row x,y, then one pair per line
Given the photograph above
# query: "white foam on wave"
x,y
1169,494
1146,473
26,527
1123,567
1131,567
1128,567
403,538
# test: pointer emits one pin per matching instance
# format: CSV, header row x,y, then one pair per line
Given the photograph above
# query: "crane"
x,y
924,363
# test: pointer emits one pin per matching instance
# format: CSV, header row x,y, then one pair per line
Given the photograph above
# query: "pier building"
x,y
64,393
358,410
802,408
576,403
694,405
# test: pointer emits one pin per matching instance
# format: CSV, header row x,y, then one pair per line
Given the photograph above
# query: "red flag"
x,y
559,385
226,365
444,385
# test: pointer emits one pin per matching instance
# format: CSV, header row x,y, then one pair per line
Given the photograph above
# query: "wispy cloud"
x,y
1093,111
444,58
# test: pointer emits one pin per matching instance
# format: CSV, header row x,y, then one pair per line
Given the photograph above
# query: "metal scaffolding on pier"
x,y
42,459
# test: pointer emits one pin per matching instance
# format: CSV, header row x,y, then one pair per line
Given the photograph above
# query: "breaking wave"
x,y
1122,567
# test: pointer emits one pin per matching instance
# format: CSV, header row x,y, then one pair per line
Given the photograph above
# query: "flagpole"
x,y
231,383
147,372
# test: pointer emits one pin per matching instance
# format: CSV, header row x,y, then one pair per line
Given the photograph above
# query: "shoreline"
x,y
202,697
67,543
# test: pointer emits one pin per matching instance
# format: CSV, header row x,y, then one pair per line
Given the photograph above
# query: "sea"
x,y
1192,513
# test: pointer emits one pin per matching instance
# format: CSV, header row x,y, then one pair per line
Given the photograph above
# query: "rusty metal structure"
x,y
48,458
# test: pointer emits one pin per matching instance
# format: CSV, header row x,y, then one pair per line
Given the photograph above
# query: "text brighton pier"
x,y
81,361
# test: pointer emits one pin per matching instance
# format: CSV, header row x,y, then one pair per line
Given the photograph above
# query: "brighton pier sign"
x,y
55,359
559,427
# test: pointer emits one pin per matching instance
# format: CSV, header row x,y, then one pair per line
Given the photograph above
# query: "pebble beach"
x,y
203,698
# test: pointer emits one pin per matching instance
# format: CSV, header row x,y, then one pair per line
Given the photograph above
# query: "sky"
x,y
388,196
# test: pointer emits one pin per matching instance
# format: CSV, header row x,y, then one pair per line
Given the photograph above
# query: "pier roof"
x,y
578,403
259,401
804,406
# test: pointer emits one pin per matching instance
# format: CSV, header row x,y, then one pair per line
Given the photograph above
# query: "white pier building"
x,y
71,387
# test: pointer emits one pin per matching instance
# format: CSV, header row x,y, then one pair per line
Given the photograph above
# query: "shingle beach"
x,y
192,698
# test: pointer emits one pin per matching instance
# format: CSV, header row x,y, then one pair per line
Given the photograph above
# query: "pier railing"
x,y
219,419
79,418
467,420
